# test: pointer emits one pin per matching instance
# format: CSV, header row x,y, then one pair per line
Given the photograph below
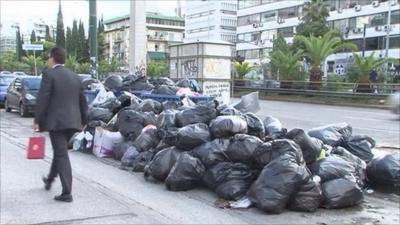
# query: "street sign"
x,y
34,47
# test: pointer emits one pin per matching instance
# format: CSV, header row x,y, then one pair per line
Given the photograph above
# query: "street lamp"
x,y
364,21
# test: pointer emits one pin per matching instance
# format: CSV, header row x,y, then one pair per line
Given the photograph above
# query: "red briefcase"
x,y
36,147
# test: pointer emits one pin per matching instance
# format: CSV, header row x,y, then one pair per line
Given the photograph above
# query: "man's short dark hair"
x,y
58,54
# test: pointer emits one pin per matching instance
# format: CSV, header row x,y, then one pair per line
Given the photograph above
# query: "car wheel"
x,y
23,112
6,106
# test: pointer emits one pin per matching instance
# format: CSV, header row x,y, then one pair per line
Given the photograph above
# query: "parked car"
x,y
21,95
5,72
5,81
83,77
19,73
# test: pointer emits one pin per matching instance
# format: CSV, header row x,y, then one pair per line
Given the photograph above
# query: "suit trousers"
x,y
61,164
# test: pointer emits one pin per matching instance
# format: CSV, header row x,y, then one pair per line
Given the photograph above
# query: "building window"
x,y
268,35
268,16
287,13
248,3
378,19
395,17
286,32
394,41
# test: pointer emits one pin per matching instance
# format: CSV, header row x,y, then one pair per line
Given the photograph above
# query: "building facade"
x,y
161,30
7,44
209,20
259,22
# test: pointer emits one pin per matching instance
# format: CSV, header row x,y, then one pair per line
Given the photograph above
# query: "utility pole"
x,y
388,35
137,38
93,38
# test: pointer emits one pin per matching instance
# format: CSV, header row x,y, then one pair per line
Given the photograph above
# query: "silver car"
x,y
394,101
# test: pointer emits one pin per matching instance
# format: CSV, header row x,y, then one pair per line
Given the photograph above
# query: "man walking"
x,y
61,110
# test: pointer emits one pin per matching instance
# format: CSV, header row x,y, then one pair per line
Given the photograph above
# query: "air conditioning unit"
x,y
255,25
357,30
378,28
387,28
300,17
393,2
375,4
339,10
281,20
357,8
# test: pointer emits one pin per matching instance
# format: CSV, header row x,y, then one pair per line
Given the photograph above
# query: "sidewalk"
x,y
24,200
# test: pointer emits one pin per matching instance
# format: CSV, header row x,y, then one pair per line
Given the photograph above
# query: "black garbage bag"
x,y
212,152
129,156
229,111
141,161
168,135
186,174
141,86
277,182
310,147
130,123
161,164
332,134
242,147
332,167
163,81
109,103
184,83
268,151
229,180
166,119
385,170
165,90
198,114
272,126
192,135
100,114
226,126
255,125
147,140
359,165
150,105
113,83
341,193
308,198
95,123
150,118
125,100
121,148
171,105
360,146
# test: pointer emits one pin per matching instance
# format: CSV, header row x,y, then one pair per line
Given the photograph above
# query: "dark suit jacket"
x,y
61,103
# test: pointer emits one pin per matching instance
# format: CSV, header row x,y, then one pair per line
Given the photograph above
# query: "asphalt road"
x,y
104,194
380,124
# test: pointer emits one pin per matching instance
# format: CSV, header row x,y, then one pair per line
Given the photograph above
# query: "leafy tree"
x,y
314,20
30,62
317,49
74,38
157,69
364,66
48,36
288,65
242,68
18,49
279,45
83,45
100,38
68,41
60,38
33,37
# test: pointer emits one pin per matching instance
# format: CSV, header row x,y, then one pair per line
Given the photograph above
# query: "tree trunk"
x,y
315,78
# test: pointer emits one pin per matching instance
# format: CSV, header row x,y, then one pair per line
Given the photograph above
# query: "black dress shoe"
x,y
63,198
47,183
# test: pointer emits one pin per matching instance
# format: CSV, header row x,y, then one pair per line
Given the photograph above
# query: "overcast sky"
x,y
26,12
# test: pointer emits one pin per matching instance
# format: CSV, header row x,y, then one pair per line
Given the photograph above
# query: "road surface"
x,y
104,194
380,124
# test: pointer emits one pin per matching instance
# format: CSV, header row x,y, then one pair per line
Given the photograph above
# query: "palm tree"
x,y
242,68
72,63
314,20
317,49
30,62
288,65
364,66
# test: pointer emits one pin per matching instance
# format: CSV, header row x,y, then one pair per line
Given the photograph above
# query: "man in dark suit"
x,y
61,110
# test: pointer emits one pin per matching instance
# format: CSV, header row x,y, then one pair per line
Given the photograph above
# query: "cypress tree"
x,y
60,38
33,37
68,40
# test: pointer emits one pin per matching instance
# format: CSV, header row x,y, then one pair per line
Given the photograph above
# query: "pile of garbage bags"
x,y
238,155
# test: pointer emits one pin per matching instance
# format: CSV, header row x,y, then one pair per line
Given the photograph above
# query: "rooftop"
x,y
152,15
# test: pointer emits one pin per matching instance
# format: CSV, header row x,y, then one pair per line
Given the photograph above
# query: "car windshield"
x,y
32,83
5,81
